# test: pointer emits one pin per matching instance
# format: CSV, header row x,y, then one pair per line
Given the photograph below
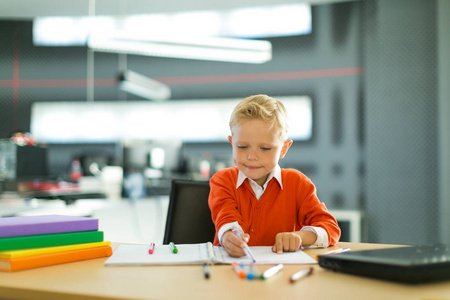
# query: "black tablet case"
x,y
411,264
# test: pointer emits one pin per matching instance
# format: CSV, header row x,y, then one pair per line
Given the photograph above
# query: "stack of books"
x,y
37,241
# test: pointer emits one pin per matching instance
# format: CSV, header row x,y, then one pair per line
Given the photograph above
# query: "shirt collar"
x,y
275,173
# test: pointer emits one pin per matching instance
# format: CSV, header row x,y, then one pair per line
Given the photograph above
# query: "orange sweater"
x,y
278,210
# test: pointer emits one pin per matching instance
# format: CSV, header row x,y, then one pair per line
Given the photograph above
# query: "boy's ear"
x,y
287,144
230,139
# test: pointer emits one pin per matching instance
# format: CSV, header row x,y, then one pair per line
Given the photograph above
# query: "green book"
x,y
49,240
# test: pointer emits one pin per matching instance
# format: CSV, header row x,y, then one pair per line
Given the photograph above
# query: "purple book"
x,y
45,224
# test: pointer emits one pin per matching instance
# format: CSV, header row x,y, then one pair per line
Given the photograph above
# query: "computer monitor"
x,y
163,155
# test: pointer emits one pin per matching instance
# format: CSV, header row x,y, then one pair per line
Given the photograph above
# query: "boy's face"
x,y
256,149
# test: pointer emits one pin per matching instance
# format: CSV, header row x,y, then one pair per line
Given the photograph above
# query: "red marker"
x,y
238,270
152,247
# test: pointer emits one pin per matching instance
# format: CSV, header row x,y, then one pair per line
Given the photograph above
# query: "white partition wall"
x,y
189,121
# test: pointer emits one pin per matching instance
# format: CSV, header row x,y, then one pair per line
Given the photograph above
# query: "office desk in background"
x,y
92,280
138,221
141,221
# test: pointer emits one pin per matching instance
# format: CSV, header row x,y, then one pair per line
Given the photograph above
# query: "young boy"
x,y
270,206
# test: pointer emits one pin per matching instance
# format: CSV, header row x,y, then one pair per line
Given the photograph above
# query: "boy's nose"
x,y
251,155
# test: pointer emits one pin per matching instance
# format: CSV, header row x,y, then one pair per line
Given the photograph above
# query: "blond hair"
x,y
261,107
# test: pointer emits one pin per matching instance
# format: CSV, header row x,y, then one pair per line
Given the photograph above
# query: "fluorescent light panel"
x,y
203,48
251,22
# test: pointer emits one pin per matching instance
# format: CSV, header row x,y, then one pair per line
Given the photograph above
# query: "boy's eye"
x,y
266,148
242,147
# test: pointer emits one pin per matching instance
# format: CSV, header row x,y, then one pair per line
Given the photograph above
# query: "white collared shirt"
x,y
321,234
257,189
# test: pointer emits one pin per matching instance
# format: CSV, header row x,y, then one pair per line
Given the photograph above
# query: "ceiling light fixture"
x,y
142,86
200,48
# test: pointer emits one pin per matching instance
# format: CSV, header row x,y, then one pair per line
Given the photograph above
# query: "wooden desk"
x,y
91,280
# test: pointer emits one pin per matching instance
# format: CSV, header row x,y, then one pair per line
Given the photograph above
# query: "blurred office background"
x,y
376,73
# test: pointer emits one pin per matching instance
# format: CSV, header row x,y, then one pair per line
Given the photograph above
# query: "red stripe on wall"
x,y
59,83
65,83
6,83
16,76
190,80
255,77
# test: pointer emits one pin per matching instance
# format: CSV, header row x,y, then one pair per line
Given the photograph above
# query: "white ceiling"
x,y
28,9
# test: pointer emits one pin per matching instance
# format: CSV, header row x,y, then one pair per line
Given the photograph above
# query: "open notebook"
x,y
192,254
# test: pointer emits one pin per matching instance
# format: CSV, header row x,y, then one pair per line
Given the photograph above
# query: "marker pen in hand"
x,y
247,250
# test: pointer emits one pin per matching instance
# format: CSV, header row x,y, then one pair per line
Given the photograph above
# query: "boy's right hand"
x,y
233,245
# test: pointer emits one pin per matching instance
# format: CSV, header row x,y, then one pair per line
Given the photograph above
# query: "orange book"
x,y
50,259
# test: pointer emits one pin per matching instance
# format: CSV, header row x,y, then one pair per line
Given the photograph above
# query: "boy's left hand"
x,y
287,242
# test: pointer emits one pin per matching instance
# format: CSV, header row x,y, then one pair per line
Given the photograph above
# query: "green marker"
x,y
173,247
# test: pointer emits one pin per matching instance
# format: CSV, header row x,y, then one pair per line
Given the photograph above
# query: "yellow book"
x,y
46,250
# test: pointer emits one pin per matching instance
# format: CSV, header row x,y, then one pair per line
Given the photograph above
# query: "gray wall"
x,y
402,183
443,9
375,144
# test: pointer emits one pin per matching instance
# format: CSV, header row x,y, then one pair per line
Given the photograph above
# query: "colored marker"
x,y
206,270
238,270
337,251
254,270
340,250
152,248
250,275
272,271
247,250
301,274
173,247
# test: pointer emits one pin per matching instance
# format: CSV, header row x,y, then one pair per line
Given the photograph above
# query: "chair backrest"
x,y
189,217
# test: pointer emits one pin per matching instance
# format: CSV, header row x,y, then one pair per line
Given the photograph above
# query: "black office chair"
x,y
189,218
